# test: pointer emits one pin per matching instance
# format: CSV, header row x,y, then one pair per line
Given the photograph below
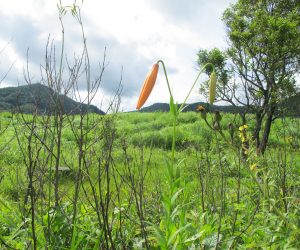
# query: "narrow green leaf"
x,y
175,233
194,237
174,197
173,110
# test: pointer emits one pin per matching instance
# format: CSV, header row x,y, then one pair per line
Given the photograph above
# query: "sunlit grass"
x,y
206,163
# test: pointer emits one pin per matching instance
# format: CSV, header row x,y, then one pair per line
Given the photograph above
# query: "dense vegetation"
x,y
128,197
260,67
71,179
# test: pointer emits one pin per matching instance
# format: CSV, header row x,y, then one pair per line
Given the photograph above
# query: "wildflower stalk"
x,y
170,232
196,80
172,106
174,114
165,72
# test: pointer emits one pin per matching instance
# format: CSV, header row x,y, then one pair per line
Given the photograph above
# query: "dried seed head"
x,y
202,111
200,108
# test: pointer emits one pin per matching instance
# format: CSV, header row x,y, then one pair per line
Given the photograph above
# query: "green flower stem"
x,y
174,185
200,72
165,72
174,117
174,140
182,105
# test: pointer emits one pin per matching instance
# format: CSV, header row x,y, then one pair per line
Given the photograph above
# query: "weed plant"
x,y
217,202
142,180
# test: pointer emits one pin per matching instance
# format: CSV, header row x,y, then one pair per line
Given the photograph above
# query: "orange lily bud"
x,y
148,86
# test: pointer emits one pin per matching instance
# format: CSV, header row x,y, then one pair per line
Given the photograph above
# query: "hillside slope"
x,y
164,107
290,107
27,98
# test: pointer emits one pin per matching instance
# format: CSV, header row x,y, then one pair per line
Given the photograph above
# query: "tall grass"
x,y
215,202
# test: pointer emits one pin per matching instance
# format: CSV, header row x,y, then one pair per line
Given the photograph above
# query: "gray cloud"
x,y
24,34
134,69
201,16
121,60
174,9
191,12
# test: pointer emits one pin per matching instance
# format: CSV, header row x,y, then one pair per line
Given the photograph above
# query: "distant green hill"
x,y
27,98
164,107
290,107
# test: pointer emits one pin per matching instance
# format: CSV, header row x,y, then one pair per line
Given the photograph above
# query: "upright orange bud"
x,y
148,86
212,87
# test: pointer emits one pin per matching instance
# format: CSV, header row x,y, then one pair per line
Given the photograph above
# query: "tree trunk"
x,y
243,116
255,136
267,129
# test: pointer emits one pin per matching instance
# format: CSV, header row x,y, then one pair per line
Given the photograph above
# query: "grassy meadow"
x,y
108,182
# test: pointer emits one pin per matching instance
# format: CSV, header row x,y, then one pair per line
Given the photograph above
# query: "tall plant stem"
x,y
174,140
174,117
196,80
165,72
182,105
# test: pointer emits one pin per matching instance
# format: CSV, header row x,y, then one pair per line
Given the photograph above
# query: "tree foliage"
x,y
264,53
265,45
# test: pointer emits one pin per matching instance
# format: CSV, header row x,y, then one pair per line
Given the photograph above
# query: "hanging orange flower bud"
x,y
212,87
148,86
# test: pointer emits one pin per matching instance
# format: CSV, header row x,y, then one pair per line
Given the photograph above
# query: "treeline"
x,y
289,107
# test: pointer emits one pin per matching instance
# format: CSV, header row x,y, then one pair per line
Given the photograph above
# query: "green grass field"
x,y
118,188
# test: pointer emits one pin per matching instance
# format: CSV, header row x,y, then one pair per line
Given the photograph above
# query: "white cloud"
x,y
136,32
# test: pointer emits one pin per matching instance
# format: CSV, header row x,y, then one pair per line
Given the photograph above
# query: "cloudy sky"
x,y
135,33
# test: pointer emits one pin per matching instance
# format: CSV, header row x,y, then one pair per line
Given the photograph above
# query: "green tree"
x,y
264,53
227,87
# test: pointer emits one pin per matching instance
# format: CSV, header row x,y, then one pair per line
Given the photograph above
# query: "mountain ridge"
x,y
164,107
290,107
40,98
